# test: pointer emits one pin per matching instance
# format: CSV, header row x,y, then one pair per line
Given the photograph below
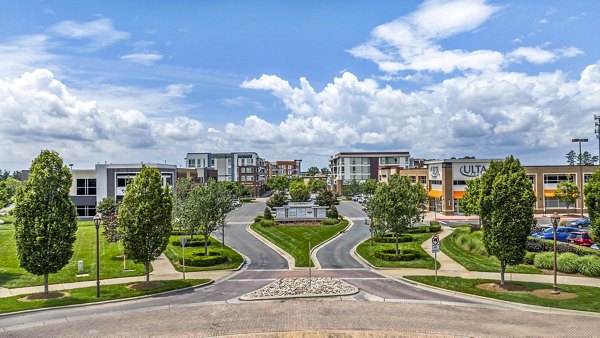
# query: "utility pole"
x,y
580,178
597,131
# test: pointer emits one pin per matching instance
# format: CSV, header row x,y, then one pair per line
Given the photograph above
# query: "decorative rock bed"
x,y
299,288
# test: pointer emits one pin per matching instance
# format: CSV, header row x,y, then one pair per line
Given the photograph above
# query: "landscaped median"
x,y
381,251
88,294
218,258
293,238
572,297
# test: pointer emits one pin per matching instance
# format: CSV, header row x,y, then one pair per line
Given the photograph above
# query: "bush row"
x,y
567,262
197,241
392,239
198,259
330,221
542,245
390,255
266,222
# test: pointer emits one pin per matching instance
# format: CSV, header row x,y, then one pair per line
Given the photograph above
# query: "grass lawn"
x,y
88,295
294,239
366,251
84,248
586,300
475,262
7,220
174,252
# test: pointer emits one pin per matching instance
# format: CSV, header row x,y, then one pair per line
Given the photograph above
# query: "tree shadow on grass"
x,y
6,277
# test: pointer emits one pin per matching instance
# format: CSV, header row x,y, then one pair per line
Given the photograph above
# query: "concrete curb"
x,y
291,261
315,250
8,314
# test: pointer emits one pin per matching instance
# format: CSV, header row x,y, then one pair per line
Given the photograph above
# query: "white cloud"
x,y
539,55
100,33
143,58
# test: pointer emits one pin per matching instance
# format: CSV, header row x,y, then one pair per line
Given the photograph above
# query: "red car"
x,y
580,238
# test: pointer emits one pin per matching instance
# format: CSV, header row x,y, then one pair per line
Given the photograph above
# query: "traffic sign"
x,y
435,248
183,240
435,240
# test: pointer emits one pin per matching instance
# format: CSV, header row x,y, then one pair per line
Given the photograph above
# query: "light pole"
x,y
97,219
579,140
555,218
597,131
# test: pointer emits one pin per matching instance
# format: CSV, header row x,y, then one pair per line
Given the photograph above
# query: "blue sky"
x,y
149,81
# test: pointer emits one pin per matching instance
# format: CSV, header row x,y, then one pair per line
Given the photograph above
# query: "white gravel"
x,y
299,287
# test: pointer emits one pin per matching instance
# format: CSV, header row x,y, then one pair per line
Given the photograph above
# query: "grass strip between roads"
x,y
294,239
367,251
586,296
475,262
88,295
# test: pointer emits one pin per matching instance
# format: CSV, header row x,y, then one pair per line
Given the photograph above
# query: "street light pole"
x,y
555,218
97,219
597,131
579,140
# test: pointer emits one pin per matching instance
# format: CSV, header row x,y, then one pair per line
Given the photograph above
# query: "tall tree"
x,y
278,183
396,205
109,209
351,188
507,201
587,158
8,188
571,157
316,185
469,203
45,217
567,192
325,171
145,217
327,198
312,171
592,201
299,191
277,200
368,187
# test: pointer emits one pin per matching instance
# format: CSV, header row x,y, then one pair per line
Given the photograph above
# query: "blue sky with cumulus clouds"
x,y
150,81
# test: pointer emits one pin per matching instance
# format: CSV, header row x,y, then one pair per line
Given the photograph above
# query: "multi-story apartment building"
x,y
245,167
361,166
284,168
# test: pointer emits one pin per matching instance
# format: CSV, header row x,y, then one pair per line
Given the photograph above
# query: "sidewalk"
x,y
451,268
161,270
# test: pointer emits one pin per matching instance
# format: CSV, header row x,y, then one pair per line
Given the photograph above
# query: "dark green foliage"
x,y
589,266
506,211
197,241
327,198
317,185
435,228
390,255
199,259
8,188
567,262
312,171
330,221
277,200
529,257
543,245
421,229
571,157
267,213
592,201
352,188
332,212
392,239
145,217
299,191
108,208
45,217
267,222
246,200
278,183
258,218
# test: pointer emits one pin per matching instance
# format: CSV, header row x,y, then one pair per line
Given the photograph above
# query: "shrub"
x,y
589,266
180,233
472,242
567,262
259,218
434,223
246,200
475,227
535,245
392,239
421,229
267,213
332,213
390,255
267,222
330,221
197,241
200,260
540,245
563,223
529,257
544,260
435,228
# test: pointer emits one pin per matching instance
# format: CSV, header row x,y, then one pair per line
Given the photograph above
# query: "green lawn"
x,y
294,239
174,252
88,295
111,266
586,300
474,262
366,251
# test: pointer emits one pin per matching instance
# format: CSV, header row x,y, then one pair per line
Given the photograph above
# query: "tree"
x,y
299,191
183,186
571,157
108,208
316,185
592,201
587,159
396,204
277,200
45,217
368,187
327,198
267,213
333,212
325,171
506,213
145,217
469,203
351,188
8,188
312,171
278,183
567,192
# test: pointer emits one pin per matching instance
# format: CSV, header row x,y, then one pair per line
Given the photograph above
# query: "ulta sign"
x,y
472,170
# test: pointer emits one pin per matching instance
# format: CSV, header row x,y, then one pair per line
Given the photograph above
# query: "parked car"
x,y
581,222
580,238
538,229
561,233
595,247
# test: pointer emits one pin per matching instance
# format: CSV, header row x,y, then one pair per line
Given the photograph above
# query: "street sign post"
x,y
183,241
435,248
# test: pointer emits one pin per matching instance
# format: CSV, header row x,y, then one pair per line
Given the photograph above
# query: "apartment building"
x,y
284,168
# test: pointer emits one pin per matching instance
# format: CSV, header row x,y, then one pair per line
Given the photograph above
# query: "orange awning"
x,y
549,193
434,193
458,194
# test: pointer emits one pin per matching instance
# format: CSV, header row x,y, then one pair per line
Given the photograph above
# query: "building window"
x,y
554,202
423,179
413,179
249,178
586,177
555,178
86,186
436,182
459,182
86,210
191,163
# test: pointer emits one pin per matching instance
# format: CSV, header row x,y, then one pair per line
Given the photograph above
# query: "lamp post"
x,y
97,219
579,140
555,218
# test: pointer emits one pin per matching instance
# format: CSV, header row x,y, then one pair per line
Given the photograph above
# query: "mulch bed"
x,y
143,286
45,296
513,288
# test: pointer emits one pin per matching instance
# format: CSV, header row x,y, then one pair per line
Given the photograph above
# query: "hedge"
x,y
390,255
544,260
392,239
258,218
330,221
541,245
589,266
198,259
529,257
435,228
567,262
197,241
267,222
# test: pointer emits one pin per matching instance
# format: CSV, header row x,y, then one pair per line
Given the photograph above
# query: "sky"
x,y
149,81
